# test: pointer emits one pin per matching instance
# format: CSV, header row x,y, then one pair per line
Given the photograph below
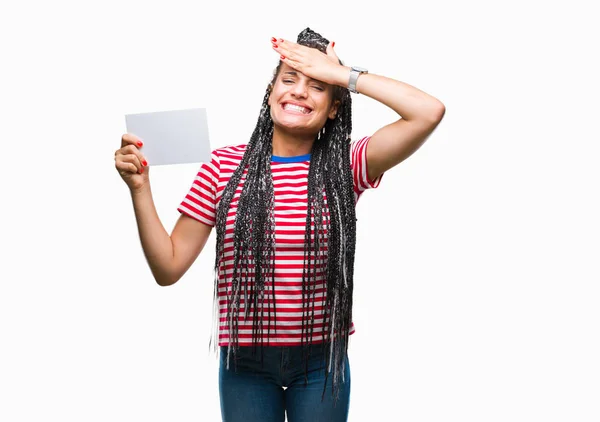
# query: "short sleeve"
x,y
200,203
358,161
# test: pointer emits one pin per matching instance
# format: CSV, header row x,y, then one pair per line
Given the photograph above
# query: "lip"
x,y
297,104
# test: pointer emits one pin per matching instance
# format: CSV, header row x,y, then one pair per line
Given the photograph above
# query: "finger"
x,y
125,168
284,47
125,154
331,52
131,139
134,160
278,49
285,43
291,63
132,149
282,56
287,50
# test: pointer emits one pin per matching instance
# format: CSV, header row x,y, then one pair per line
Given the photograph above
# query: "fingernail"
x,y
142,170
140,143
333,43
145,163
275,45
273,39
282,57
280,39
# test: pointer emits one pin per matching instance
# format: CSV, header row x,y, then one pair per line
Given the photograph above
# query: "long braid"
x,y
330,250
342,241
254,234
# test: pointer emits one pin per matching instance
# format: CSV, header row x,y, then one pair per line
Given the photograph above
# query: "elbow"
x,y
437,113
442,111
165,283
434,116
165,280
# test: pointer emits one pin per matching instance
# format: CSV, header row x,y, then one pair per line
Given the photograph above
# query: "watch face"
x,y
360,69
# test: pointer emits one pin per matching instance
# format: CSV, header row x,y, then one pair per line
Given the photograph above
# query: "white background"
x,y
477,270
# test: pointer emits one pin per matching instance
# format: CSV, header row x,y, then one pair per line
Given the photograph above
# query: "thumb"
x,y
331,53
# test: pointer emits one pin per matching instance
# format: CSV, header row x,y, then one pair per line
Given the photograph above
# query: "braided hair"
x,y
254,233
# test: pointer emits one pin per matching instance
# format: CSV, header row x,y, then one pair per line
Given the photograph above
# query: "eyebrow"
x,y
294,73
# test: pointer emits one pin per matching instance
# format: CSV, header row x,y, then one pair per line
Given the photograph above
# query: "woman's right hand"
x,y
130,162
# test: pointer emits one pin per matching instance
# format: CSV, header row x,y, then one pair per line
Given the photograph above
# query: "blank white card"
x,y
172,137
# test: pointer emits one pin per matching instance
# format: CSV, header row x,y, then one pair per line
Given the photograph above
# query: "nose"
x,y
300,89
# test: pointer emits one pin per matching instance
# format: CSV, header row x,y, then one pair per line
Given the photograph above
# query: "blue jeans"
x,y
256,392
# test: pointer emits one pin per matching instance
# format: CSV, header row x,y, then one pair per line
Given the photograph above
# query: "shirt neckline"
x,y
295,159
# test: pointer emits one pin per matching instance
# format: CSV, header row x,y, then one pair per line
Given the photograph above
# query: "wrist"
x,y
343,76
355,73
137,192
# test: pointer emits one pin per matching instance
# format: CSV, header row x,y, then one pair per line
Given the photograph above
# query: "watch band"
x,y
355,72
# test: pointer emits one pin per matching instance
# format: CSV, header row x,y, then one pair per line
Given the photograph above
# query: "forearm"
x,y
156,242
409,102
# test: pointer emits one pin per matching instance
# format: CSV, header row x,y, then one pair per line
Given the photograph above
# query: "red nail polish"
x,y
145,163
332,43
280,39
282,57
140,143
273,39
275,45
142,170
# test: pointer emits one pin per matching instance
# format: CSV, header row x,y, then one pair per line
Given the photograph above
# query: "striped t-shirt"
x,y
290,180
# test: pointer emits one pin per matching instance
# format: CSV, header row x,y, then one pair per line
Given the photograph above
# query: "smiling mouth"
x,y
296,108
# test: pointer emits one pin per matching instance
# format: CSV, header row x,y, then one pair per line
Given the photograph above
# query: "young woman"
x,y
283,205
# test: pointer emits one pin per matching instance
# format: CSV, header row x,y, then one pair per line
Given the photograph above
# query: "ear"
x,y
333,110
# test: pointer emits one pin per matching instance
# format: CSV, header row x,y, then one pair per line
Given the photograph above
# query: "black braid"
x,y
254,232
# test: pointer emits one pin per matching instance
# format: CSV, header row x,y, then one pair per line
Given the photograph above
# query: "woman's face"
x,y
300,104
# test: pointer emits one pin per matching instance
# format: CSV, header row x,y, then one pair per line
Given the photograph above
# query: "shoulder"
x,y
358,149
359,143
230,152
227,158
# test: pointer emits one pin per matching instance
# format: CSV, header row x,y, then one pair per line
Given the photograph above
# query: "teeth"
x,y
296,108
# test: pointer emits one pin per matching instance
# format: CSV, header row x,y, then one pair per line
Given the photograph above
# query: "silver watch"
x,y
355,72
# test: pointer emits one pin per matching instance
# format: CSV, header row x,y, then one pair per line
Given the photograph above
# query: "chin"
x,y
291,124
296,129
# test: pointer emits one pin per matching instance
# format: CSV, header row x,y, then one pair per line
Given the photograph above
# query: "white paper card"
x,y
172,137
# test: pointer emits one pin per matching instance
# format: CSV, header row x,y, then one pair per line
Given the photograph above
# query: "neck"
x,y
286,144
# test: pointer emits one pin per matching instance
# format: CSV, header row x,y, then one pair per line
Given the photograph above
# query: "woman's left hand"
x,y
311,62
